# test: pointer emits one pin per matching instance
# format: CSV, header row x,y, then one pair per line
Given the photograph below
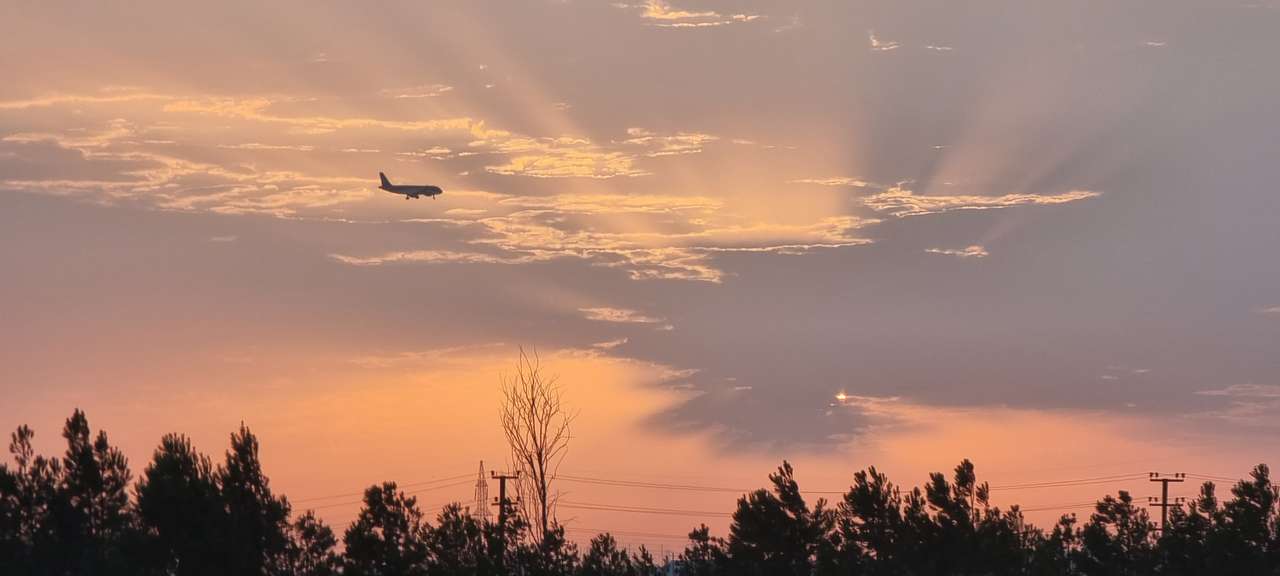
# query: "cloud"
x,y
1153,44
422,358
1246,404
576,157
937,48
1270,311
224,239
430,257
966,252
60,99
434,152
662,14
878,45
792,23
542,229
417,92
900,202
257,109
260,146
619,315
610,344
668,145
836,181
559,157
1244,391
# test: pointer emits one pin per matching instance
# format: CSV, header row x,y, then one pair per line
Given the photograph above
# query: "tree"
x,y
1184,547
642,563
311,547
1055,554
1117,539
29,504
552,555
257,521
181,511
1247,528
536,424
457,545
871,525
604,558
95,517
389,537
705,555
776,533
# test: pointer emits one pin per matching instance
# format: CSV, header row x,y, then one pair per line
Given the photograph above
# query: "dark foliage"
x,y
75,515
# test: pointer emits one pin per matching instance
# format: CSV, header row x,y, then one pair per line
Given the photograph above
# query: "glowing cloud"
x,y
1244,391
661,14
619,315
900,202
836,181
967,252
878,45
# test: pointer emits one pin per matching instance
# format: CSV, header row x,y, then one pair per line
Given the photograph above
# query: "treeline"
x,y
84,514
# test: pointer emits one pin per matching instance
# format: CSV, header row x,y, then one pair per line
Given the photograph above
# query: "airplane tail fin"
x,y
385,182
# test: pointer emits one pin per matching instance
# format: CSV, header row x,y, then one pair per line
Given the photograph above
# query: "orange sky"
x,y
1037,235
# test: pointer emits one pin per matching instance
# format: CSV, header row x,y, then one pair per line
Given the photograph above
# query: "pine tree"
x,y
389,537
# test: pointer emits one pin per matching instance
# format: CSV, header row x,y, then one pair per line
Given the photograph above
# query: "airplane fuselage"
x,y
408,191
413,191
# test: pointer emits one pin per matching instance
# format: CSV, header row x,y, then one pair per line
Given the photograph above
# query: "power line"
x,y
1222,478
407,493
1072,482
704,488
642,509
1072,506
361,493
626,533
654,485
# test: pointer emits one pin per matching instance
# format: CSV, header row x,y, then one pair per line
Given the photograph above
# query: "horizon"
x,y
843,234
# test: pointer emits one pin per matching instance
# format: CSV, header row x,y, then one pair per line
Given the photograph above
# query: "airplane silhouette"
x,y
409,191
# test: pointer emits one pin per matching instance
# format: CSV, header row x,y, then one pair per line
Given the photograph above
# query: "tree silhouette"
x,y
94,500
389,537
705,555
181,512
1248,541
32,501
536,424
73,515
1117,540
257,521
551,555
776,533
311,549
458,545
604,558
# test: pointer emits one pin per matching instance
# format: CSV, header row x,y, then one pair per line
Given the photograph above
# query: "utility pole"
x,y
1164,504
503,505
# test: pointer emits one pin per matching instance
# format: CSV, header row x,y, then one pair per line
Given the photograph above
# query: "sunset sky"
x,y
1041,235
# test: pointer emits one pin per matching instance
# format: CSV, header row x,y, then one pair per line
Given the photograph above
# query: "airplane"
x,y
409,191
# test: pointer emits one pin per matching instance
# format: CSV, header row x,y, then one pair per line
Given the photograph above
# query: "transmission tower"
x,y
481,510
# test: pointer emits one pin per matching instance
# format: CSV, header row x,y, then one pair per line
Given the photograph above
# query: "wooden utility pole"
x,y
1164,504
503,505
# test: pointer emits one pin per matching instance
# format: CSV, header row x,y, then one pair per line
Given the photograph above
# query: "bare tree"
x,y
537,426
